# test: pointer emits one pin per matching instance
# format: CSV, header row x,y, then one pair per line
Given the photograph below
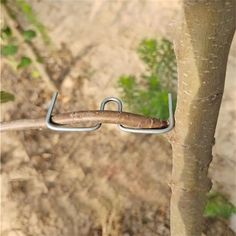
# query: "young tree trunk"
x,y
202,45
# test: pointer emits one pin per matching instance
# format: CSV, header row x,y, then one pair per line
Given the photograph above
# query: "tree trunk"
x,y
202,45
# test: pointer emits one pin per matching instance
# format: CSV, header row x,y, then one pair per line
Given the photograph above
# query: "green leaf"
x,y
28,12
6,97
219,207
127,81
24,62
29,35
6,32
9,50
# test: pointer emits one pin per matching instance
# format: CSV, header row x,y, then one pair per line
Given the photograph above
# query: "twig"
x,y
95,116
28,50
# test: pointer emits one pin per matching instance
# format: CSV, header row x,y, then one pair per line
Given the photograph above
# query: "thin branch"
x,y
95,116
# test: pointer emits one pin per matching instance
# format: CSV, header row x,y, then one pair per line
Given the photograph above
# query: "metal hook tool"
x,y
57,127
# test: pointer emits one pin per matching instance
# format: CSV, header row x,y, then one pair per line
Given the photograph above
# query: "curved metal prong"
x,y
57,127
154,131
111,99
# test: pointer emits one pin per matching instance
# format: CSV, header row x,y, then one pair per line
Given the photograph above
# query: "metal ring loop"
x,y
111,99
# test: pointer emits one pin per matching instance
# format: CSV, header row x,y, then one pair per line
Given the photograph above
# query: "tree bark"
x,y
202,44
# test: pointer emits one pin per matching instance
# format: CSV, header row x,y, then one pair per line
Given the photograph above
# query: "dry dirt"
x,y
107,182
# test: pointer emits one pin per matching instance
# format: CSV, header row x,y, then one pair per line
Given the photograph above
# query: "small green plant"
x,y
24,62
32,18
148,94
6,97
6,32
219,207
10,47
25,9
29,35
9,50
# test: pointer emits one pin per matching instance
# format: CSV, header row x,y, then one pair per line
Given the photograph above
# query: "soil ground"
x,y
107,182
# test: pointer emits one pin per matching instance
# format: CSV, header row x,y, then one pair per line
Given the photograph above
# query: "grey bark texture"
x,y
202,44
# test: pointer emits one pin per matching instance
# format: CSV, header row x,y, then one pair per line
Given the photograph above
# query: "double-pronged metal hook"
x,y
57,127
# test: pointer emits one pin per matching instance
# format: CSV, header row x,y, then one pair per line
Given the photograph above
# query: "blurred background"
x,y
105,182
